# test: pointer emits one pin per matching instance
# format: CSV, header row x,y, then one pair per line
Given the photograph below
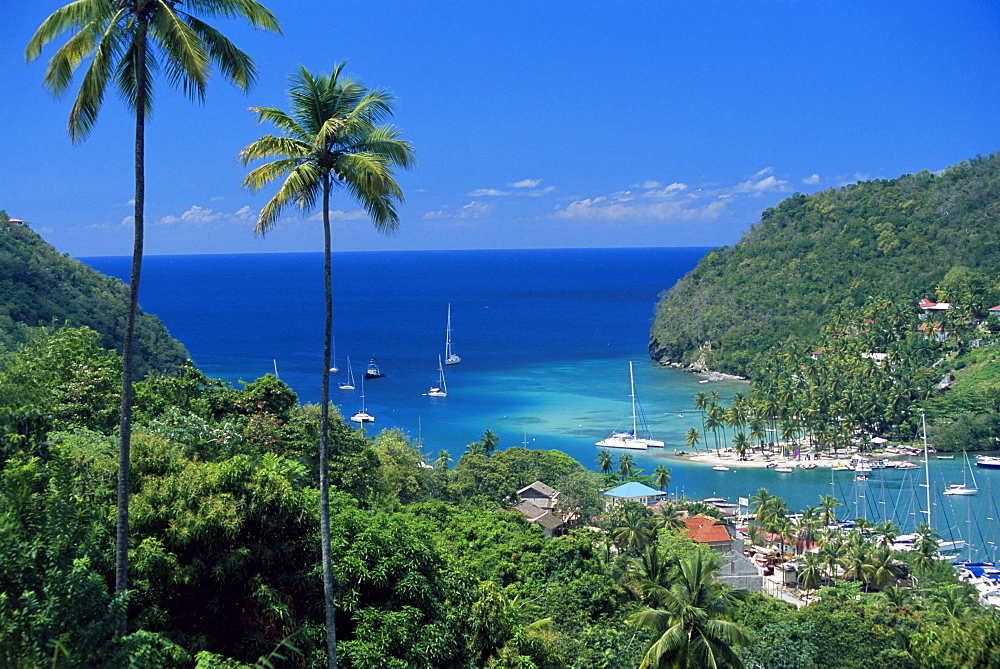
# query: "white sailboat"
x,y
441,389
363,416
963,488
630,438
334,367
449,356
349,384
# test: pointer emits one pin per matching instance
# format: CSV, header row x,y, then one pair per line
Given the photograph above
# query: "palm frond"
x,y
90,96
234,64
259,16
282,121
301,188
75,15
186,58
261,176
271,146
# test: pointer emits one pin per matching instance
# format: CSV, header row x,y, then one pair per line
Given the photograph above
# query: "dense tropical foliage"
x,y
814,256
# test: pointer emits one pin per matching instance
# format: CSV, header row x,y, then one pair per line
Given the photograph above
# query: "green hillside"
x,y
38,286
814,255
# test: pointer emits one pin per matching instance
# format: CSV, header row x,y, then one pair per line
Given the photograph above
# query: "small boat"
x,y
963,488
349,384
363,416
990,461
783,469
861,477
441,389
629,438
807,465
373,371
449,356
721,468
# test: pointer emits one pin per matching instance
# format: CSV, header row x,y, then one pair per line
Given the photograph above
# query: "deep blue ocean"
x,y
545,338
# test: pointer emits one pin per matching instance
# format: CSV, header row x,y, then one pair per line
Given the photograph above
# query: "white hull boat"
x,y
449,356
441,389
349,384
630,438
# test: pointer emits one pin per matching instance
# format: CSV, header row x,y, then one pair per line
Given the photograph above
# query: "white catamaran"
x,y
363,416
449,356
631,438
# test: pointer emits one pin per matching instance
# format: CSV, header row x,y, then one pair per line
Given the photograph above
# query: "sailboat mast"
x,y
927,468
631,377
447,335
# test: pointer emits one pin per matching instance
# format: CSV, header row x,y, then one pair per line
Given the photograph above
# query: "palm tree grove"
x,y
152,515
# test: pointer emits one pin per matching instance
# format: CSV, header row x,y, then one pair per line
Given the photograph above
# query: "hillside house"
x,y
537,505
633,491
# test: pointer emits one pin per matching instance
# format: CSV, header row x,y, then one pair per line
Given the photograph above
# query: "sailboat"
x,y
963,488
349,384
441,389
630,438
334,367
449,356
363,416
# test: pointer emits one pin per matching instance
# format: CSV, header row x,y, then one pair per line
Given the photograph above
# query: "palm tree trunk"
x,y
125,424
324,444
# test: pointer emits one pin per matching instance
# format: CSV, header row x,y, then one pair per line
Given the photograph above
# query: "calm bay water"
x,y
545,338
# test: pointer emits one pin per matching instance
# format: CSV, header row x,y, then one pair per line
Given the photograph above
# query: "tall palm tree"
x,y
661,477
127,41
606,462
810,574
689,625
691,438
626,464
490,441
334,136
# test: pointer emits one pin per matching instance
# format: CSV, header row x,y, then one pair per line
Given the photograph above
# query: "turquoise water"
x,y
545,338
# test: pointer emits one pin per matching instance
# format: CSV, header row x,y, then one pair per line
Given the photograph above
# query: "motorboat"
x,y
373,371
990,461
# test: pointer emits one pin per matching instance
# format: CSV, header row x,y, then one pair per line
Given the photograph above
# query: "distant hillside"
x,y
813,254
40,287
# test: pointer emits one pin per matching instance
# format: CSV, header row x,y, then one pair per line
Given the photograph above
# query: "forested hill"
x,y
40,287
813,254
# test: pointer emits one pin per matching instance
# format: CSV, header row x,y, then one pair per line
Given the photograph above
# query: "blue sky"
x,y
544,124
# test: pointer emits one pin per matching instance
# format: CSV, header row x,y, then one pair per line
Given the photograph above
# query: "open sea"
x,y
545,337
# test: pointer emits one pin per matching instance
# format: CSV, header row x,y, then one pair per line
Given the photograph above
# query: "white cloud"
x,y
759,186
474,209
341,215
526,183
811,180
763,172
540,191
200,215
483,192
645,185
666,191
618,209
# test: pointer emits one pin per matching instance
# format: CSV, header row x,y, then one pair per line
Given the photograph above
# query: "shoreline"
x,y
756,461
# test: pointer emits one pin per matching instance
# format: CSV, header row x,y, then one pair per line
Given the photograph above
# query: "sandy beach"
x,y
760,461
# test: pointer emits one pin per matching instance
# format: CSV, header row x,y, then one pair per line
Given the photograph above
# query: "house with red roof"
x,y
717,534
